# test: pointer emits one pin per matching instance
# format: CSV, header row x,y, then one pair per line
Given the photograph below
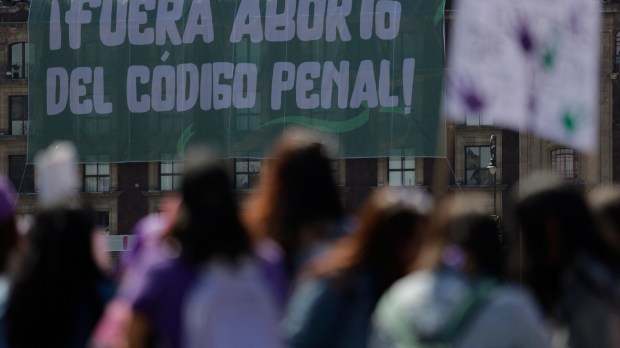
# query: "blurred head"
x,y
605,203
59,276
464,236
557,226
61,242
387,238
554,219
207,222
297,191
8,230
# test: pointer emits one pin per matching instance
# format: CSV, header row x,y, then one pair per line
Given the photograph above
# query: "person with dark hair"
x,y
456,296
338,291
8,228
297,204
571,268
60,292
605,204
8,243
208,232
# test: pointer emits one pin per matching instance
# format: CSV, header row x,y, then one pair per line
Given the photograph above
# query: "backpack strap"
x,y
466,310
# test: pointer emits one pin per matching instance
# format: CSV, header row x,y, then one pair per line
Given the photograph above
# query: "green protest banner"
x,y
135,80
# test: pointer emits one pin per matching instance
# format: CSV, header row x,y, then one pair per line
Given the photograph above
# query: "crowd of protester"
x,y
290,268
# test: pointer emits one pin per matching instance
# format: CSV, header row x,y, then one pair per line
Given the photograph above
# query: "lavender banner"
x,y
528,65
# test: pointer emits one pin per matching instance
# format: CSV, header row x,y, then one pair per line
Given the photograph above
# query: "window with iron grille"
x,y
247,171
96,124
170,123
170,172
248,119
334,166
102,220
97,174
401,171
21,174
617,60
18,114
477,119
477,159
247,52
19,60
564,162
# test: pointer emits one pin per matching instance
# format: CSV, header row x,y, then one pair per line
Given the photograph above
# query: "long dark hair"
x,y
8,223
557,226
385,243
297,191
605,203
55,300
208,222
8,242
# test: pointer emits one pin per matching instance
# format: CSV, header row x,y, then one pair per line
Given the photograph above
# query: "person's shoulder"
x,y
317,285
512,301
513,295
170,267
595,278
316,294
169,275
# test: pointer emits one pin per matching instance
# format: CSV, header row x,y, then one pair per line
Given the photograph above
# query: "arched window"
x,y
564,162
18,60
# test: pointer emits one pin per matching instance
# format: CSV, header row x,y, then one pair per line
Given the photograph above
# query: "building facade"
x,y
121,193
